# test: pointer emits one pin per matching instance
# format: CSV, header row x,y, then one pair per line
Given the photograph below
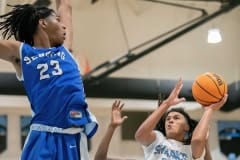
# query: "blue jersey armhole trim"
x,y
20,75
90,135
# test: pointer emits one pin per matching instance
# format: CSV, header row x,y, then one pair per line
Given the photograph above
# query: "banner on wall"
x,y
25,127
3,132
229,138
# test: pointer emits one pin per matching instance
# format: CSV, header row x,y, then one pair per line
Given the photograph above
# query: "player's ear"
x,y
186,128
42,23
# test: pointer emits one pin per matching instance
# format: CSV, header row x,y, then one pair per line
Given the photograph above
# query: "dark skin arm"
x,y
64,11
9,51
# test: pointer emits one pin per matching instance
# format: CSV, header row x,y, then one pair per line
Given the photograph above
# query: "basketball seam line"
x,y
206,91
216,85
206,102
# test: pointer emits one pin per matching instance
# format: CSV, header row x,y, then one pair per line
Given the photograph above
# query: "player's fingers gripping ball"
x,y
209,88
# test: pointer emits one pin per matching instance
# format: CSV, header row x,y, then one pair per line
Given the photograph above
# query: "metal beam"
x,y
108,67
129,88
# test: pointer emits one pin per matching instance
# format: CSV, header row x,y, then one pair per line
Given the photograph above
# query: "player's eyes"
x,y
176,117
58,18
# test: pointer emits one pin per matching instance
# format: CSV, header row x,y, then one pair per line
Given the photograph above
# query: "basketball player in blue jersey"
x,y
40,53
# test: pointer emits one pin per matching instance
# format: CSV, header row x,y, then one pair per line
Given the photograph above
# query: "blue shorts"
x,y
51,146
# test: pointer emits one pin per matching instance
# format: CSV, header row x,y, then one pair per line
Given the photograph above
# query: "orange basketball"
x,y
209,88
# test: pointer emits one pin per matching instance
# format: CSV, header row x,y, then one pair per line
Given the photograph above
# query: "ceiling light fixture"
x,y
214,36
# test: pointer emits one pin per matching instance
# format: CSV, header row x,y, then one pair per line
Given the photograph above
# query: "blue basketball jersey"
x,y
54,88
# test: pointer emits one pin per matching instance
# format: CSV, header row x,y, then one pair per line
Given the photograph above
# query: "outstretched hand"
x,y
116,116
218,105
173,98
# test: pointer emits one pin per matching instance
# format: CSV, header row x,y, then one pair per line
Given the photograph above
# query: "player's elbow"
x,y
137,135
140,135
198,138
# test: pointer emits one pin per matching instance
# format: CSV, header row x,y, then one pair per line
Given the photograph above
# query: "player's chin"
x,y
61,40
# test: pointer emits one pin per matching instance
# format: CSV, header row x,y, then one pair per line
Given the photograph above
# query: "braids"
x,y
22,21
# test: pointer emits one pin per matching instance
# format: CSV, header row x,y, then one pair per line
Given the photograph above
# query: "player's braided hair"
x,y
22,21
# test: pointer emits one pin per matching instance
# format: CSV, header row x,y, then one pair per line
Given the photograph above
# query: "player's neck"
x,y
41,40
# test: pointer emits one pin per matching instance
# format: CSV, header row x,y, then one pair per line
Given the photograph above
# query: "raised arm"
x,y
198,142
116,120
207,155
145,133
9,50
64,10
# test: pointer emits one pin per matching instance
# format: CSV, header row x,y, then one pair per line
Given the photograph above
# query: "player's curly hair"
x,y
191,122
22,21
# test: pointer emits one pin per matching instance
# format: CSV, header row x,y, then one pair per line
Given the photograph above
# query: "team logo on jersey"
x,y
75,114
